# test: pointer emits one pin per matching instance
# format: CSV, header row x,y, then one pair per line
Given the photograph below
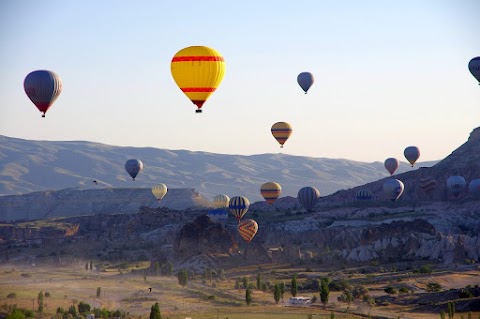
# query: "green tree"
x,y
183,277
99,292
248,296
294,288
442,314
169,269
332,315
451,309
91,265
86,266
156,267
73,311
40,301
155,312
16,314
83,308
324,290
245,282
259,281
277,293
282,288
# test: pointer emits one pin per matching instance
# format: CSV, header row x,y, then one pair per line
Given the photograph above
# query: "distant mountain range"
x,y
28,166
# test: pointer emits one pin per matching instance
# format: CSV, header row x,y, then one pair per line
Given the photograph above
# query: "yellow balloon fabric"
x,y
270,191
159,191
198,71
221,201
281,131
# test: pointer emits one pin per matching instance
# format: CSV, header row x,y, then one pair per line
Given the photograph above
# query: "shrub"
x,y
390,290
465,293
12,295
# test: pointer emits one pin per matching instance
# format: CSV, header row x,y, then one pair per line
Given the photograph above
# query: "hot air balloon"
x,y
42,88
391,164
238,206
305,80
474,67
221,201
281,131
218,215
393,188
364,194
270,191
198,71
474,187
159,191
308,196
412,153
247,229
133,167
428,184
456,184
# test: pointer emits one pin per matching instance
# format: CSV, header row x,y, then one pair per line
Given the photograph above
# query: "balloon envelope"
x,y
455,185
412,153
270,191
393,188
474,188
133,167
247,229
428,184
238,206
159,191
42,88
305,80
281,131
221,201
198,71
474,67
364,194
307,196
218,215
391,164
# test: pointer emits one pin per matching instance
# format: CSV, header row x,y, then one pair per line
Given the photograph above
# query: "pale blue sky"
x,y
388,74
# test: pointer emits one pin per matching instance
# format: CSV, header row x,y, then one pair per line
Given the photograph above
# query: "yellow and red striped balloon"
x,y
247,229
270,191
198,71
281,131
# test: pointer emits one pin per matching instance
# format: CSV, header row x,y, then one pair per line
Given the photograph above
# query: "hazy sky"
x,y
388,74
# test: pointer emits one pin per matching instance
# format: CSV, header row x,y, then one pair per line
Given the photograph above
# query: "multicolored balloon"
x,y
133,167
307,196
270,191
238,206
474,187
428,184
159,191
412,153
248,228
305,80
474,67
456,185
281,131
42,88
218,215
393,188
198,71
391,164
221,201
364,195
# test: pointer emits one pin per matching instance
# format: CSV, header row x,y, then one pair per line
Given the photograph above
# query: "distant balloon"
x,y
455,185
412,153
305,80
391,164
281,131
247,229
159,191
238,206
198,71
42,88
428,184
307,196
133,167
393,188
221,201
474,67
364,194
218,215
474,188
270,191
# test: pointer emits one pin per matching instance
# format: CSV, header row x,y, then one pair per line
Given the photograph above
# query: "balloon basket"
x,y
198,111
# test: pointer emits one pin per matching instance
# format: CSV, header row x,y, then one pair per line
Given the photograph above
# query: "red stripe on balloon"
x,y
199,89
